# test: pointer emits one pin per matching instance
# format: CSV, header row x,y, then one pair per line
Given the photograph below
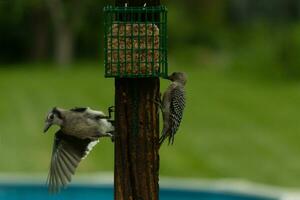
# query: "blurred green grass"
x,y
233,127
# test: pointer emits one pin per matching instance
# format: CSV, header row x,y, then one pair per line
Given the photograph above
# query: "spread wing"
x,y
176,110
67,152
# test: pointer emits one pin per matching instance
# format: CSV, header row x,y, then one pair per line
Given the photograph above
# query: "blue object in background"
x,y
105,192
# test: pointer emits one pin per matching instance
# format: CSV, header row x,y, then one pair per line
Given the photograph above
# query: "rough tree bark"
x,y
137,133
136,144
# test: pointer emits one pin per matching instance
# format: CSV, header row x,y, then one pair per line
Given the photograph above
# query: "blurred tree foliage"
x,y
49,29
60,30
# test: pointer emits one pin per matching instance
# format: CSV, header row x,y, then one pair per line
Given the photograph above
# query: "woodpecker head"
x,y
180,77
54,117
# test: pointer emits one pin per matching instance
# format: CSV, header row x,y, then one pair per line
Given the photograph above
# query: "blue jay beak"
x,y
47,126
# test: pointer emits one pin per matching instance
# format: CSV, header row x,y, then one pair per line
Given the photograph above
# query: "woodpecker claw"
x,y
158,102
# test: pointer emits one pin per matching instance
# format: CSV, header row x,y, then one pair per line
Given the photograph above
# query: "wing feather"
x,y
68,171
176,110
67,153
64,171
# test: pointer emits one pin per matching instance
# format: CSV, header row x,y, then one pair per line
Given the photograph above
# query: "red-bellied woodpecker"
x,y
172,106
80,130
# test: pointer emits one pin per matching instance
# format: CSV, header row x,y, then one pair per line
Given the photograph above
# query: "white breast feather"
x,y
105,126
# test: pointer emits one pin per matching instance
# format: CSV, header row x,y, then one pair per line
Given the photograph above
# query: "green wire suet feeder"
x,y
135,42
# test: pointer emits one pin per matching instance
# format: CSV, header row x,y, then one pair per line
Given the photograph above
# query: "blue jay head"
x,y
178,77
53,117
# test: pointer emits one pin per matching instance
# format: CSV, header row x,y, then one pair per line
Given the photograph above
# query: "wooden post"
x,y
137,133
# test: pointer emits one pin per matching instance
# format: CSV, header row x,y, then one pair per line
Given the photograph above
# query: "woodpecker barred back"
x,y
172,106
80,130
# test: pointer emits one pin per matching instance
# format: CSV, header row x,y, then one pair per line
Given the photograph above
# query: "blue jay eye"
x,y
51,117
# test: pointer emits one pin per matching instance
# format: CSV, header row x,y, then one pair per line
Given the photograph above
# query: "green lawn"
x,y
232,127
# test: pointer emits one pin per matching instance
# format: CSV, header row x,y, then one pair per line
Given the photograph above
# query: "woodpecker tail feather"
x,y
164,135
171,139
162,139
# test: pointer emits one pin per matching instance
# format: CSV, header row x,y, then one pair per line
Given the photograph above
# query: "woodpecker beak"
x,y
47,126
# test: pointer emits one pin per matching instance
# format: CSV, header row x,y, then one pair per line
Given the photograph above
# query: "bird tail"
x,y
164,135
162,139
171,139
